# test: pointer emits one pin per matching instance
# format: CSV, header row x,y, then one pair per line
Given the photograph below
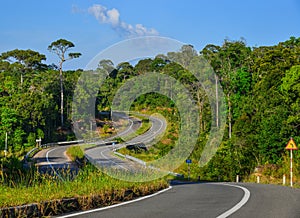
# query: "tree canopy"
x,y
261,86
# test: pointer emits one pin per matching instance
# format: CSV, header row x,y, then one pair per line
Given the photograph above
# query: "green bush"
x,y
75,152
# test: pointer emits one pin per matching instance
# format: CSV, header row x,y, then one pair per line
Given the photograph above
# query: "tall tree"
x,y
27,59
60,48
227,61
210,52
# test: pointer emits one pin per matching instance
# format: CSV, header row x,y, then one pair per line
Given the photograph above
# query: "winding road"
x,y
52,160
240,200
103,156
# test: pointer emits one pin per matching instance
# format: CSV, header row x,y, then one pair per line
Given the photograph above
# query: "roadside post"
x,y
5,149
188,161
38,142
291,145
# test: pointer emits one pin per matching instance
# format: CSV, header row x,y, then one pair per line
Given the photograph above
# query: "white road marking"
x,y
127,130
150,134
116,205
112,160
238,205
49,163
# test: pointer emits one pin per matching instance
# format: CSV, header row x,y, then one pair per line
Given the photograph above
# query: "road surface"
x,y
103,156
188,200
209,200
54,160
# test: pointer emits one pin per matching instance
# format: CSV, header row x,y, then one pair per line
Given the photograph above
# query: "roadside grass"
x,y
86,146
108,130
263,179
145,126
268,174
90,188
159,149
75,152
32,187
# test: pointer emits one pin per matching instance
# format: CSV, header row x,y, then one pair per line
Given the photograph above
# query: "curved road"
x,y
52,160
208,200
103,156
186,200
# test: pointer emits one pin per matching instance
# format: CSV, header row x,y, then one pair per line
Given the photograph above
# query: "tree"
x,y
27,59
272,108
210,52
228,61
184,57
60,48
125,71
291,91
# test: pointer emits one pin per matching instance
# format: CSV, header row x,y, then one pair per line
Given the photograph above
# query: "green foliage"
x,y
75,152
28,58
24,187
261,85
31,139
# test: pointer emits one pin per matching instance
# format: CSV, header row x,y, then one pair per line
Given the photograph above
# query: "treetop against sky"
x,y
94,25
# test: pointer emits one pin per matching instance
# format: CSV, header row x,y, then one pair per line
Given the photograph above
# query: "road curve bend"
x,y
103,156
208,200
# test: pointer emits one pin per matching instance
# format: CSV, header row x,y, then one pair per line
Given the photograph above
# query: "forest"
x,y
261,86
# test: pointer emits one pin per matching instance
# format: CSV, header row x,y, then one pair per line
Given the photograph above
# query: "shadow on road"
x,y
183,182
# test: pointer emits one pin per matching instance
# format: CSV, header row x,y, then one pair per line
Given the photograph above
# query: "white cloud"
x,y
99,12
112,17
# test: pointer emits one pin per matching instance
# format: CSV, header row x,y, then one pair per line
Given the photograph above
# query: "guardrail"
x,y
135,160
139,161
131,158
70,142
101,144
61,143
29,153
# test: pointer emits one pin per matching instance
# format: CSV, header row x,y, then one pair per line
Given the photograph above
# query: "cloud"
x,y
112,17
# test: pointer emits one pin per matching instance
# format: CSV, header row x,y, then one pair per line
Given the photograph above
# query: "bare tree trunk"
x,y
200,106
229,116
61,96
217,101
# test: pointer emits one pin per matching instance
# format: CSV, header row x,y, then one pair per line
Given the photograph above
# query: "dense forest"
x,y
260,84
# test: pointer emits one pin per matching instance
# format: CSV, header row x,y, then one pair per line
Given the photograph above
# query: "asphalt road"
x,y
209,200
54,160
103,155
272,201
186,200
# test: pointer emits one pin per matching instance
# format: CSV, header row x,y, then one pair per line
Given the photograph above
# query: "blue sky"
x,y
94,25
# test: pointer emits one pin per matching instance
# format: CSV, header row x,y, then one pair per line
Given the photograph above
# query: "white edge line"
x,y
116,205
111,159
238,205
47,158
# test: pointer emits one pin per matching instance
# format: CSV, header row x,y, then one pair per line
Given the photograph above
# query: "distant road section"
x,y
54,159
103,155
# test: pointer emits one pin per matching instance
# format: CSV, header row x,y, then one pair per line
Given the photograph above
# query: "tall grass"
x,y
33,187
161,148
75,152
145,126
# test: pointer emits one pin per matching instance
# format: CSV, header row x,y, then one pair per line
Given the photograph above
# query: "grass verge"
x,y
89,189
145,126
75,152
158,150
